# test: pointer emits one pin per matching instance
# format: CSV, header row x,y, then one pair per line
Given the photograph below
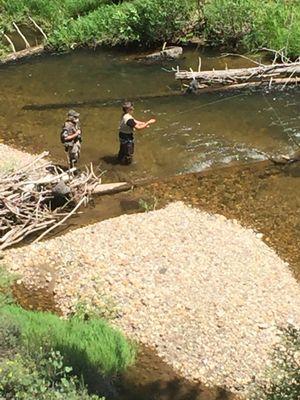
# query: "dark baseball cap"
x,y
73,113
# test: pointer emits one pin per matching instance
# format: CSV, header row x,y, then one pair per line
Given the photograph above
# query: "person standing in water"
x,y
128,125
71,137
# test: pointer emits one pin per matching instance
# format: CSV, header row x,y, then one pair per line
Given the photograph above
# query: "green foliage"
x,y
254,24
37,348
85,345
106,310
228,21
6,281
283,380
10,337
22,378
146,21
148,205
249,24
277,26
72,23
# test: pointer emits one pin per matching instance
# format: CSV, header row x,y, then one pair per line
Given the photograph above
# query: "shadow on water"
x,y
152,379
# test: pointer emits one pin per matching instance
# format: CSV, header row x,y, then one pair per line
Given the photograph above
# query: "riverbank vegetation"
x,y
283,379
239,24
41,355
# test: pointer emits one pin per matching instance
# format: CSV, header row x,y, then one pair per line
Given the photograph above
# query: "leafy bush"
x,y
254,24
49,14
23,379
277,26
145,21
283,380
228,21
10,337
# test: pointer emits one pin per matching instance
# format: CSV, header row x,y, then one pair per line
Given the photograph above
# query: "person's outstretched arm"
x,y
142,125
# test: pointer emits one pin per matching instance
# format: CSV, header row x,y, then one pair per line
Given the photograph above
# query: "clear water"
x,y
192,133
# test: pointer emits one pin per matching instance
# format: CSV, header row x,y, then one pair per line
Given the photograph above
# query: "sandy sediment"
x,y
206,293
11,158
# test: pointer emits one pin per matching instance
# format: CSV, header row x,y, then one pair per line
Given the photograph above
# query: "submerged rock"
x,y
169,53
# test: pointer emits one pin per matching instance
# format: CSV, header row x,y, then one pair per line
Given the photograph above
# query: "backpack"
x,y
63,135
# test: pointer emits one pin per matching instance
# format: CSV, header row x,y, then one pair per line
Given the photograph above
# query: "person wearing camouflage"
x,y
71,137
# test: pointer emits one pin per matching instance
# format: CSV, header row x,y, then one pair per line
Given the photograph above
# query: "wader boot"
x,y
73,151
126,151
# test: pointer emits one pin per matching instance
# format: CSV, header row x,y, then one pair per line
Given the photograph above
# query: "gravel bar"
x,y
202,290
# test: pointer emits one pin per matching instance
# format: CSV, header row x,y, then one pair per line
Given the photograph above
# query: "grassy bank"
x,y
243,24
253,24
41,354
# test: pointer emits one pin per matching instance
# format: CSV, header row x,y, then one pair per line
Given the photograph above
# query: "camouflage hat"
x,y
73,113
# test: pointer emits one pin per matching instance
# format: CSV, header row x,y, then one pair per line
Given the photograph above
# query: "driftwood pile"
x,y
29,198
287,73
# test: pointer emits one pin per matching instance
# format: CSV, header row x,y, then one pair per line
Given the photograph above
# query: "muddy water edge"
x,y
193,133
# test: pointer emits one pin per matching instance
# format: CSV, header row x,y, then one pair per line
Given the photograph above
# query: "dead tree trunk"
x,y
285,74
242,74
30,51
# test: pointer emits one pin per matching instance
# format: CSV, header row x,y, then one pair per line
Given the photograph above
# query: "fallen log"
x,y
28,52
111,188
238,86
241,75
109,102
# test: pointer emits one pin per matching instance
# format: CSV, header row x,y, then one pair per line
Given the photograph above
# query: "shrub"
x,y
10,337
228,21
254,24
283,380
23,379
144,21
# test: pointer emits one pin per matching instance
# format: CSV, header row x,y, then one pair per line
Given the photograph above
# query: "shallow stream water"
x,y
192,134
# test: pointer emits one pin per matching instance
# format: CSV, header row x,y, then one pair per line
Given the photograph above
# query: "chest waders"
x,y
72,147
126,138
73,151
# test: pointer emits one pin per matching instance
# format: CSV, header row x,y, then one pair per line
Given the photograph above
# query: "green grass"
x,y
88,346
46,348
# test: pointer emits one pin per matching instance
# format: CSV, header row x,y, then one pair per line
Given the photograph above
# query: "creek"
x,y
192,134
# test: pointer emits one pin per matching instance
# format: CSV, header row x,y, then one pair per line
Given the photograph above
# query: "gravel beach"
x,y
12,158
202,290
